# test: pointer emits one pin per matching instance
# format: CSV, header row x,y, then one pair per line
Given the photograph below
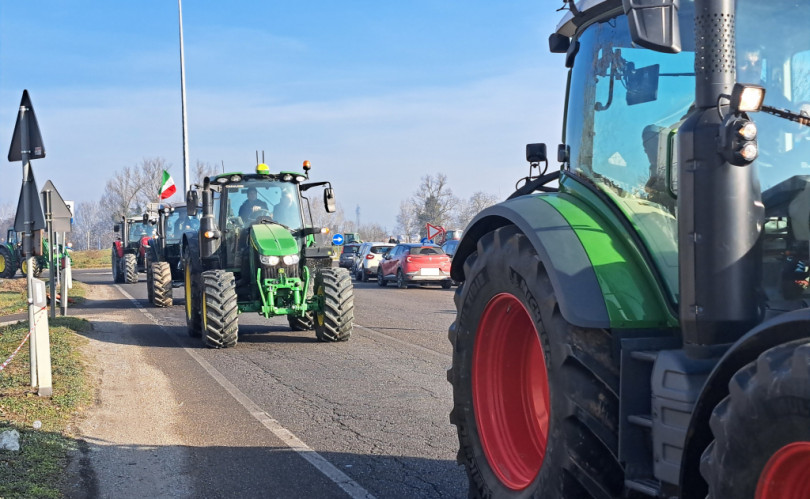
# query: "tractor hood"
x,y
273,240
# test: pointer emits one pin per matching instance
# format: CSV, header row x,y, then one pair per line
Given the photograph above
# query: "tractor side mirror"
x,y
642,85
654,24
117,228
192,200
329,200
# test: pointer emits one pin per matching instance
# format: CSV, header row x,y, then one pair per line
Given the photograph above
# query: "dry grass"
x,y
91,259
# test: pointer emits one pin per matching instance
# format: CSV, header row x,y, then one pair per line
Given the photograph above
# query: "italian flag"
x,y
167,187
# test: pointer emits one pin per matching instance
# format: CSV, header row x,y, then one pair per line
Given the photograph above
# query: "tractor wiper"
x,y
801,119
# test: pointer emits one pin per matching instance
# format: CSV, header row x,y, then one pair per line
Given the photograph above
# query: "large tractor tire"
x,y
305,323
219,309
193,294
150,281
535,398
336,320
762,429
161,284
37,270
8,266
130,268
118,275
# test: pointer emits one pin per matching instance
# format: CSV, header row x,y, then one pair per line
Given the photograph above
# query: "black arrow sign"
x,y
37,149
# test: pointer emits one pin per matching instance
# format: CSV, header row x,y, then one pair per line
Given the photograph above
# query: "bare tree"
x,y
92,228
434,202
467,210
132,187
407,223
203,169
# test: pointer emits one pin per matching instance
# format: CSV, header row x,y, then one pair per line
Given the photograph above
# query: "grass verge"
x,y
14,296
90,259
37,470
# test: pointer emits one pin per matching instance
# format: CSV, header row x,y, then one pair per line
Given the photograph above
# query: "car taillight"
x,y
369,257
408,259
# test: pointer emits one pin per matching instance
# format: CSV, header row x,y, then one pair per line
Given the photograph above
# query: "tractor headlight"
x,y
269,260
290,259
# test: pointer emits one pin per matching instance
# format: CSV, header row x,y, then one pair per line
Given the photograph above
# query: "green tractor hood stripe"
x,y
272,240
633,297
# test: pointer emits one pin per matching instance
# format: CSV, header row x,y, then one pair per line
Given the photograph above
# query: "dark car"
x,y
415,263
349,256
450,247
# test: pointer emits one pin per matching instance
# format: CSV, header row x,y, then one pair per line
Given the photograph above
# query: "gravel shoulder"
x,y
128,446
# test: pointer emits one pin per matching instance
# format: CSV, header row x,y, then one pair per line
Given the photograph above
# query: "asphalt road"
x,y
283,415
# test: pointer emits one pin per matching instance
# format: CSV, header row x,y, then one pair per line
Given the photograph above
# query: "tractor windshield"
x,y
138,229
625,106
265,200
178,223
773,50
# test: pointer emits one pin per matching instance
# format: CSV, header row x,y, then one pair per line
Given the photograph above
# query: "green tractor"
x,y
11,257
636,322
128,250
255,252
164,270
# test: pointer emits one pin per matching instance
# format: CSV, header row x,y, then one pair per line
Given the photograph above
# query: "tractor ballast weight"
x,y
641,329
254,252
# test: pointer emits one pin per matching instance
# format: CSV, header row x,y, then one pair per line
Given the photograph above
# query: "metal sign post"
x,y
26,144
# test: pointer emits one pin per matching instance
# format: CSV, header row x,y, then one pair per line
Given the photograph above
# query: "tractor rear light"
x,y
738,140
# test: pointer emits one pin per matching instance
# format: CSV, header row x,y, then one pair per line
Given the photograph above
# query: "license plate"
x,y
430,272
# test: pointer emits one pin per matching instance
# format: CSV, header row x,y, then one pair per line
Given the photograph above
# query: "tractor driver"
x,y
251,205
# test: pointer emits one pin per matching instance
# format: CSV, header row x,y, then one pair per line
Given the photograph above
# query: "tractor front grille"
x,y
274,272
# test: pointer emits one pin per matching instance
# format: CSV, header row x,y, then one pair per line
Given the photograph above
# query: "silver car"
x,y
369,258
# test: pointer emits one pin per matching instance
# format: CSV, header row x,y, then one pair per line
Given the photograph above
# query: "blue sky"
x,y
374,94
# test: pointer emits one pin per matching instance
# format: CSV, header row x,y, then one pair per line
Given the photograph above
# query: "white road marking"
x,y
352,488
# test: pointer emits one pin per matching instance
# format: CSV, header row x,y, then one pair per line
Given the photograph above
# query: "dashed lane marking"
x,y
352,488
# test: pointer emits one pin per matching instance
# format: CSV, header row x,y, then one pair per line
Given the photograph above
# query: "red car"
x,y
415,263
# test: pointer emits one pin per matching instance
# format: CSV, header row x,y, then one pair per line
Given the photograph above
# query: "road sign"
x,y
29,192
60,212
36,149
337,239
433,231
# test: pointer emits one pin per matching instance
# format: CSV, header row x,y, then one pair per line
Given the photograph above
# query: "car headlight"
x,y
269,260
290,259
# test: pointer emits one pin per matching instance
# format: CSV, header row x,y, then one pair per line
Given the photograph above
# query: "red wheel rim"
x,y
786,476
510,392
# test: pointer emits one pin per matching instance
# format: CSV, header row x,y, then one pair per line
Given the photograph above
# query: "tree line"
x,y
131,188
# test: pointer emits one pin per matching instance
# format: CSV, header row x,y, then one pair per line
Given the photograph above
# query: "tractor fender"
x,y
119,248
569,268
783,328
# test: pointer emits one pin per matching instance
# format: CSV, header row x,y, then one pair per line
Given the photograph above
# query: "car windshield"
x,y
265,199
426,250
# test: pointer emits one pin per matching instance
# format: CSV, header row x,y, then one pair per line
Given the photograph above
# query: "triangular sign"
x,y
433,231
59,209
35,146
34,207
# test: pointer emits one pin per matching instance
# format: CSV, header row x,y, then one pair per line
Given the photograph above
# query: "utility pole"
x,y
186,182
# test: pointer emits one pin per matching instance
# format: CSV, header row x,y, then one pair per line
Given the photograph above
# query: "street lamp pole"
x,y
186,183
